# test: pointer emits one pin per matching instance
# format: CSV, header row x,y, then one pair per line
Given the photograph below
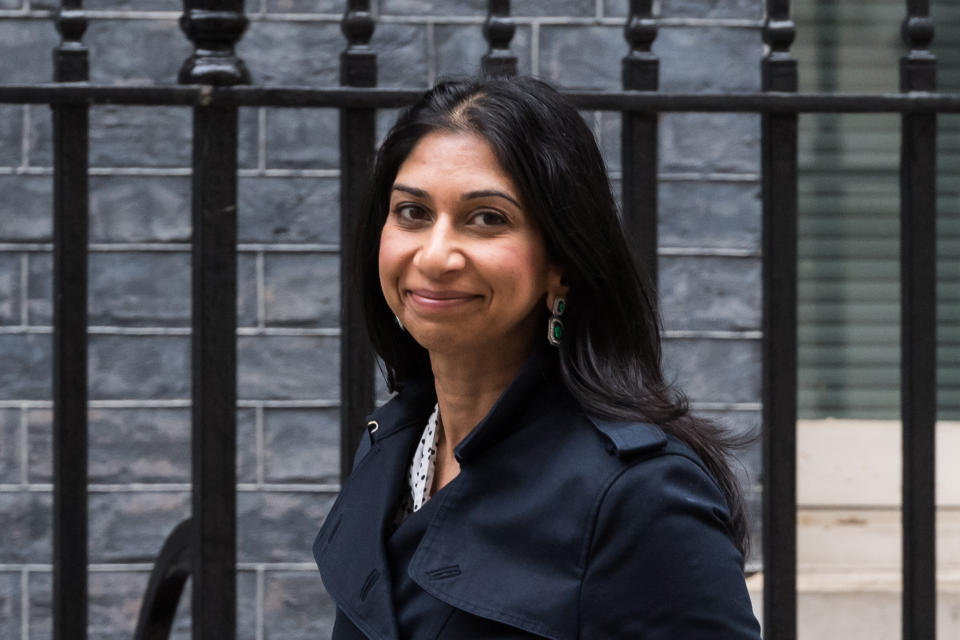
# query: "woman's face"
x,y
461,263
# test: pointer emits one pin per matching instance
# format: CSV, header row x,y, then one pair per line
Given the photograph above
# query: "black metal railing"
x,y
778,144
212,83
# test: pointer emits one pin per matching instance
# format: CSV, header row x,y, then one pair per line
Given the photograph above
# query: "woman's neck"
x,y
468,385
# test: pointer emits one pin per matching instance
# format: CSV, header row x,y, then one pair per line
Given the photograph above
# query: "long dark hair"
x,y
610,357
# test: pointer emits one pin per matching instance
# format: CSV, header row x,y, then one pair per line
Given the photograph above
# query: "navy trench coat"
x,y
558,526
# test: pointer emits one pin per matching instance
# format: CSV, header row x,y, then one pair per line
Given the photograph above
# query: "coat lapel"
x,y
349,549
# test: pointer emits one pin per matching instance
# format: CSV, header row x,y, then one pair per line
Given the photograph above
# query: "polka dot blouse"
x,y
420,474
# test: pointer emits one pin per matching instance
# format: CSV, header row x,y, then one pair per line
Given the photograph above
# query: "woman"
x,y
534,475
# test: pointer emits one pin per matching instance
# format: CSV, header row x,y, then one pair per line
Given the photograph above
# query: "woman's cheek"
x,y
388,264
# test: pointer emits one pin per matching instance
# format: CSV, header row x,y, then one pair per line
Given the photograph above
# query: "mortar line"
x,y
175,487
26,404
277,566
179,403
259,603
598,9
17,330
140,171
32,247
173,247
96,330
24,447
431,53
260,453
24,284
116,567
262,138
261,291
25,138
10,170
25,603
172,172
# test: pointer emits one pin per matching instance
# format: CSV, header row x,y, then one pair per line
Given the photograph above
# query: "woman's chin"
x,y
445,340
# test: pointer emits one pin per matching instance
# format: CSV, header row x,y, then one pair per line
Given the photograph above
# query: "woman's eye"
x,y
409,212
489,219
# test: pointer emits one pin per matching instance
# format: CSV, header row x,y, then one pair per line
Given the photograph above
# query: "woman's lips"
x,y
433,300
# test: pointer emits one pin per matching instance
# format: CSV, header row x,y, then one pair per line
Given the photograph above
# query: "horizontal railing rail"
x,y
380,98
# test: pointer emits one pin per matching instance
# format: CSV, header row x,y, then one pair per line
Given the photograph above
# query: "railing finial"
x,y
214,28
641,68
358,62
918,32
71,59
779,34
779,31
498,31
918,70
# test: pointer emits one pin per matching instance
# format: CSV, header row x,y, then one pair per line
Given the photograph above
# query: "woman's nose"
x,y
441,251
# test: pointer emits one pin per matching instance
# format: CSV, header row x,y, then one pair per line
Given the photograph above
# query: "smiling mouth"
x,y
437,300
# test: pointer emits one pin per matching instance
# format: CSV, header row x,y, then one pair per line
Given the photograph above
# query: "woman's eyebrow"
x,y
486,193
420,193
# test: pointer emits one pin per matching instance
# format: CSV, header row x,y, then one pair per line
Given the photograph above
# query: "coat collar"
x,y
350,547
502,419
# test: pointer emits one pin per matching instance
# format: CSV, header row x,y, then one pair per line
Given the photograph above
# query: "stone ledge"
x,y
857,463
857,540
860,605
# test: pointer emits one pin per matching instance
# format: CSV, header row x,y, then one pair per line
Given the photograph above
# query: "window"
x,y
849,307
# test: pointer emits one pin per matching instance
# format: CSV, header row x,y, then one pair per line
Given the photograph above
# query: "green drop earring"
x,y
554,324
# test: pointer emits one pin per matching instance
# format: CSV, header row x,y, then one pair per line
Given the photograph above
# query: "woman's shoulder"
x,y
634,452
661,541
647,454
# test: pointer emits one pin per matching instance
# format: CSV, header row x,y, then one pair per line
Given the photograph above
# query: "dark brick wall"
x,y
288,268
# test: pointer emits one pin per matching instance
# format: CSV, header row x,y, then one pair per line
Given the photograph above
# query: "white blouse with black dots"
x,y
420,475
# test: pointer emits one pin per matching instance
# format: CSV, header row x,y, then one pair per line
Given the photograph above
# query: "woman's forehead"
x,y
454,159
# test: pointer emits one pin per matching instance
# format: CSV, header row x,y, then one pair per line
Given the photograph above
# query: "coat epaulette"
x,y
630,438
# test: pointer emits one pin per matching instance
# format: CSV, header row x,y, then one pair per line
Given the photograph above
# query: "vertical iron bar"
x,y
779,157
214,27
498,31
918,327
358,68
639,134
71,145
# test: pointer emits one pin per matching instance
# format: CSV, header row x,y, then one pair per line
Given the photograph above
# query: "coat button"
x,y
372,427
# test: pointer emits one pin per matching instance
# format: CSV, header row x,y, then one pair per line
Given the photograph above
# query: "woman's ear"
x,y
556,285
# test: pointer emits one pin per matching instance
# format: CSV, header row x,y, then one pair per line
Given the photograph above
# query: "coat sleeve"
x,y
661,565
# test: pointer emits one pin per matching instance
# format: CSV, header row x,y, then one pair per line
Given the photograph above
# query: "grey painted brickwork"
x,y
288,265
